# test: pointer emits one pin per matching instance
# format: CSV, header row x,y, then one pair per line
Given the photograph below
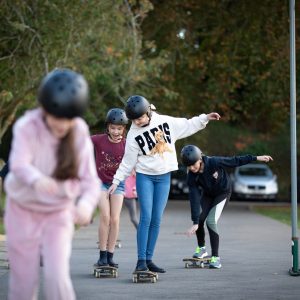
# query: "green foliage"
x,y
258,147
233,57
101,39
187,57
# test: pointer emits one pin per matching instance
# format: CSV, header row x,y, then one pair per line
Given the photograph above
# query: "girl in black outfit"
x,y
209,191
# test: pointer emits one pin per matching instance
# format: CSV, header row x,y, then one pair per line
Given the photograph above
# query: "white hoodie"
x,y
140,141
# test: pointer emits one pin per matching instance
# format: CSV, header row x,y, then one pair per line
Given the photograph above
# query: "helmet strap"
x,y
149,115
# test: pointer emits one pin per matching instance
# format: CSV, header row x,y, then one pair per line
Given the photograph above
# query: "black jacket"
x,y
214,180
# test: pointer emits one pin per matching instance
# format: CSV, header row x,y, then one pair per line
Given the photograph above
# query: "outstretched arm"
x,y
236,161
183,127
213,116
264,158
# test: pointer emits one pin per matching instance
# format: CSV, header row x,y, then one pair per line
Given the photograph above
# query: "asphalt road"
x,y
255,253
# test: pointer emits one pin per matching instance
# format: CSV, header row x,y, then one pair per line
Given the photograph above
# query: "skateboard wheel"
x,y
153,280
97,275
202,265
134,279
186,265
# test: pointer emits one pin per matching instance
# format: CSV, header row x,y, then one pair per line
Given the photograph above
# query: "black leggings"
x,y
211,209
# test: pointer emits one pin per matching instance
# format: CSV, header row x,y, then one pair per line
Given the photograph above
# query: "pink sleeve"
x,y
130,187
21,155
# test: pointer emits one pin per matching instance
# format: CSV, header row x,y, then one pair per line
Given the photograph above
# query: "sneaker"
x,y
102,261
110,260
215,262
154,268
200,252
141,265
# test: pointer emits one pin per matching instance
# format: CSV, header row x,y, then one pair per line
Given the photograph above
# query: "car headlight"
x,y
272,187
238,186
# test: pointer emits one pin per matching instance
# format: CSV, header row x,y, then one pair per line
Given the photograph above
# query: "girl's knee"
x,y
145,221
105,220
114,221
155,222
212,224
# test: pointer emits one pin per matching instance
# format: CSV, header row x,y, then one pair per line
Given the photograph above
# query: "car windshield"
x,y
253,172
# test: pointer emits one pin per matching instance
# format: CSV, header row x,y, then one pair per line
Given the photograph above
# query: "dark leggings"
x,y
211,209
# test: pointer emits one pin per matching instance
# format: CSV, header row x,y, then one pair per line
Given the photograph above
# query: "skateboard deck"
x,y
4,263
105,271
191,262
142,276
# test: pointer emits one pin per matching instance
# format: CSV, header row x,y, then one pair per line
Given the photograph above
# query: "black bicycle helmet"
x,y
136,106
190,154
116,116
64,93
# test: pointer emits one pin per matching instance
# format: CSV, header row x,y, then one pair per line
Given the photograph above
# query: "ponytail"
x,y
67,163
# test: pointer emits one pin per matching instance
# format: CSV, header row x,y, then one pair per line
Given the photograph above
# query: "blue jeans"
x,y
120,190
153,192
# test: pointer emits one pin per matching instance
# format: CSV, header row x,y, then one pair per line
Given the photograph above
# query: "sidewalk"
x,y
255,253
3,256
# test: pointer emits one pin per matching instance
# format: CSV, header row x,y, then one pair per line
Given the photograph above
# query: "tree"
x,y
229,56
101,39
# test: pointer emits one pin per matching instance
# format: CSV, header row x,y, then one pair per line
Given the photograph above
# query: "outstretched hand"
x,y
192,230
111,189
213,116
264,158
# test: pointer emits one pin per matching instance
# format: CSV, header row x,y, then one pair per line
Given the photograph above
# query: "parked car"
x,y
179,188
254,181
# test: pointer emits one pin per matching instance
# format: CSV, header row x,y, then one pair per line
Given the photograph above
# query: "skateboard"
x,y
118,244
105,271
142,276
192,262
4,263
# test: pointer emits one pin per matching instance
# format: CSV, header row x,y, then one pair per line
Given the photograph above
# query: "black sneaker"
x,y
141,265
110,260
154,268
102,261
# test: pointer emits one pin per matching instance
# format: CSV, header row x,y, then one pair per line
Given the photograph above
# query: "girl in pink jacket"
x,y
52,183
130,198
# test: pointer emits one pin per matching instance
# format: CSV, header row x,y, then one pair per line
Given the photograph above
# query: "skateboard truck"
x,y
143,276
192,262
105,271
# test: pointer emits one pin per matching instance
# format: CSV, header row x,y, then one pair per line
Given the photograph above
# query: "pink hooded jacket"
x,y
130,187
33,155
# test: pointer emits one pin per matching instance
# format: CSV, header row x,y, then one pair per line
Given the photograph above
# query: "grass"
x,y
279,213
